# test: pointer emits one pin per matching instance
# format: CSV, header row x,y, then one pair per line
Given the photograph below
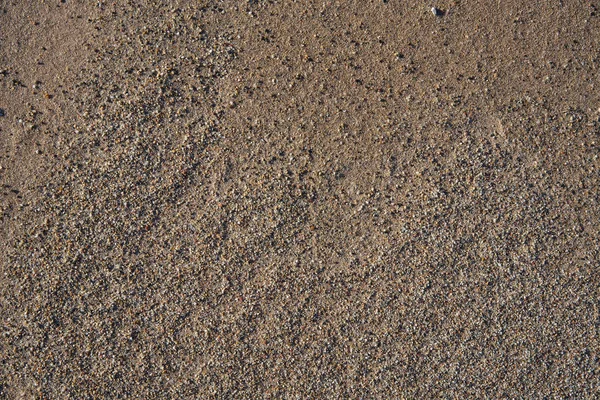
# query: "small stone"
x,y
2,114
436,11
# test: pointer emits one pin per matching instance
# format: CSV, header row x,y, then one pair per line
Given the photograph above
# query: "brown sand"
x,y
310,199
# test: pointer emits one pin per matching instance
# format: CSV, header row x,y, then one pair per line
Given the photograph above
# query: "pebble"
x,y
2,114
437,12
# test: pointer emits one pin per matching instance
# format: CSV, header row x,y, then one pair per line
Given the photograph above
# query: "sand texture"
x,y
299,199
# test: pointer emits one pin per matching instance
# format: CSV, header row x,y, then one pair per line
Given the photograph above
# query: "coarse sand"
x,y
299,199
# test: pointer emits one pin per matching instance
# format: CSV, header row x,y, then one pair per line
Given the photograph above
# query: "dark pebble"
x,y
437,12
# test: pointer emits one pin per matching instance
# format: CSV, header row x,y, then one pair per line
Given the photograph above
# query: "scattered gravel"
x,y
266,199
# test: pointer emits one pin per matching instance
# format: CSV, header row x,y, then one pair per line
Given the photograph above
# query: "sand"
x,y
284,199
